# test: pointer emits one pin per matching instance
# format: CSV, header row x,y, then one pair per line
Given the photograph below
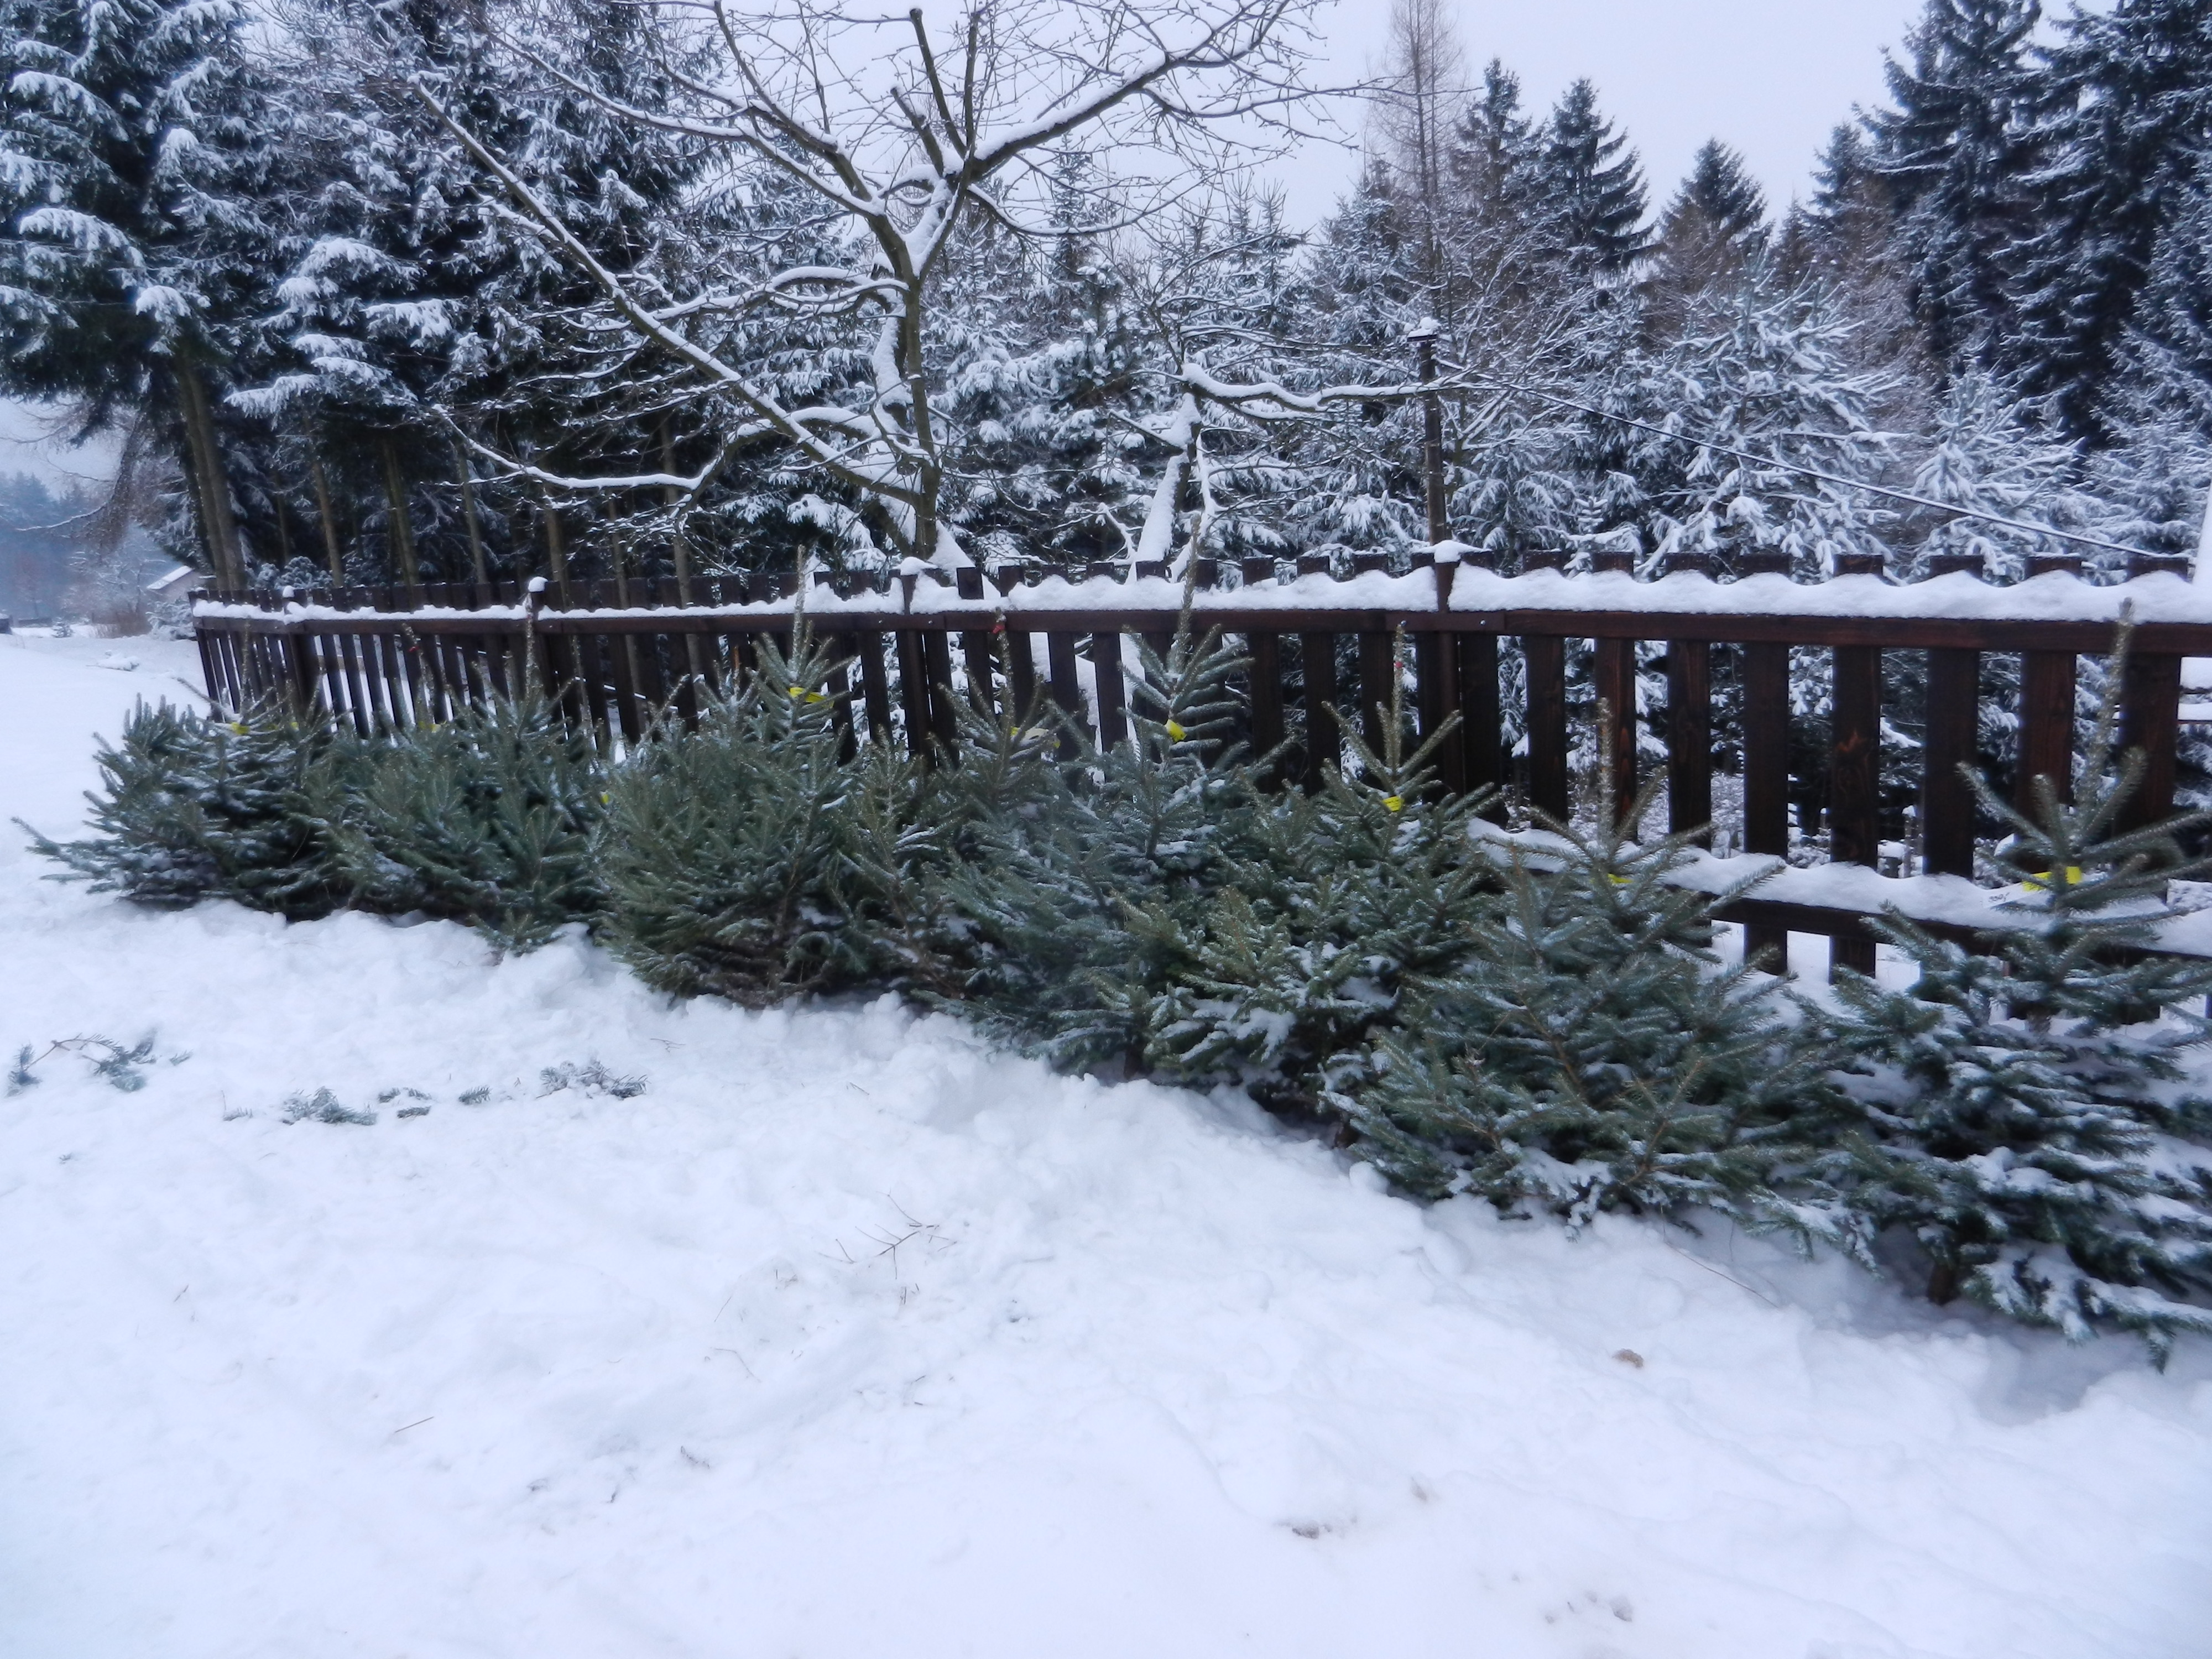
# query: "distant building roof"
x,y
173,581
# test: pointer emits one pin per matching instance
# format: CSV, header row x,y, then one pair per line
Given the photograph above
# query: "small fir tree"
x,y
1081,899
1593,1056
489,819
748,858
1335,903
196,806
2036,1135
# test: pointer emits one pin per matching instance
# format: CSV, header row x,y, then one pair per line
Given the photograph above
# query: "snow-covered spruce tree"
x,y
2158,406
2127,100
1043,359
409,299
1082,900
1594,183
136,259
1711,232
489,819
748,859
1956,154
195,807
1333,905
1592,1055
2034,1130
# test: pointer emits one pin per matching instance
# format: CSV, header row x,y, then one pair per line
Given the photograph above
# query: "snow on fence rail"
x,y
622,654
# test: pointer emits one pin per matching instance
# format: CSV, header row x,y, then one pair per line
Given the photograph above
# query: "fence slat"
x,y
1113,695
1946,800
975,652
2150,710
914,692
1690,738
1317,666
2046,725
1374,688
1481,709
944,719
1546,655
875,686
1266,672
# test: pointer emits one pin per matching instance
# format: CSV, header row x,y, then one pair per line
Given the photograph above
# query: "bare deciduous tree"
x,y
904,136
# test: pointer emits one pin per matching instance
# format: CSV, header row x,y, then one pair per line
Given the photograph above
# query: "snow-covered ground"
x,y
845,1338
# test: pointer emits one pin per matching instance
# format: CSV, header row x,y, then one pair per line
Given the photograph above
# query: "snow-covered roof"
x,y
173,580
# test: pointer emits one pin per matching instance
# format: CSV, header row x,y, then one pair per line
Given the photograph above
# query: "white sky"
x,y
1771,77
27,446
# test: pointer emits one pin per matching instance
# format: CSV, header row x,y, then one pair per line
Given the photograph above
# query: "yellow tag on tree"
x,y
1395,803
1175,733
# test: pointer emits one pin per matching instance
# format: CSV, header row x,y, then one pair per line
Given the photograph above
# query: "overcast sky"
x,y
1770,76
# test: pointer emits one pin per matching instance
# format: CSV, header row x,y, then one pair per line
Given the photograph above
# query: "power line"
x,y
2052,531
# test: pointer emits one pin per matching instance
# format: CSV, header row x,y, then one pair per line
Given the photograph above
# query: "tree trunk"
x,y
401,528
218,526
330,519
469,514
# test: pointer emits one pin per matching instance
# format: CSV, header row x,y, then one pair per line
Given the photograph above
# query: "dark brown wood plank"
x,y
347,679
2150,708
1545,656
1690,739
1854,779
1947,798
2046,726
1021,675
204,639
875,686
1482,715
944,719
1112,696
976,652
840,688
1066,687
914,694
330,671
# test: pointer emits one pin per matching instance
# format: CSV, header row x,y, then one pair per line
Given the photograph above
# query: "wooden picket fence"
x,y
624,656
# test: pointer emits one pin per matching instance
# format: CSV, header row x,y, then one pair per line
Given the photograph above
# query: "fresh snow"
x,y
848,1336
2161,598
